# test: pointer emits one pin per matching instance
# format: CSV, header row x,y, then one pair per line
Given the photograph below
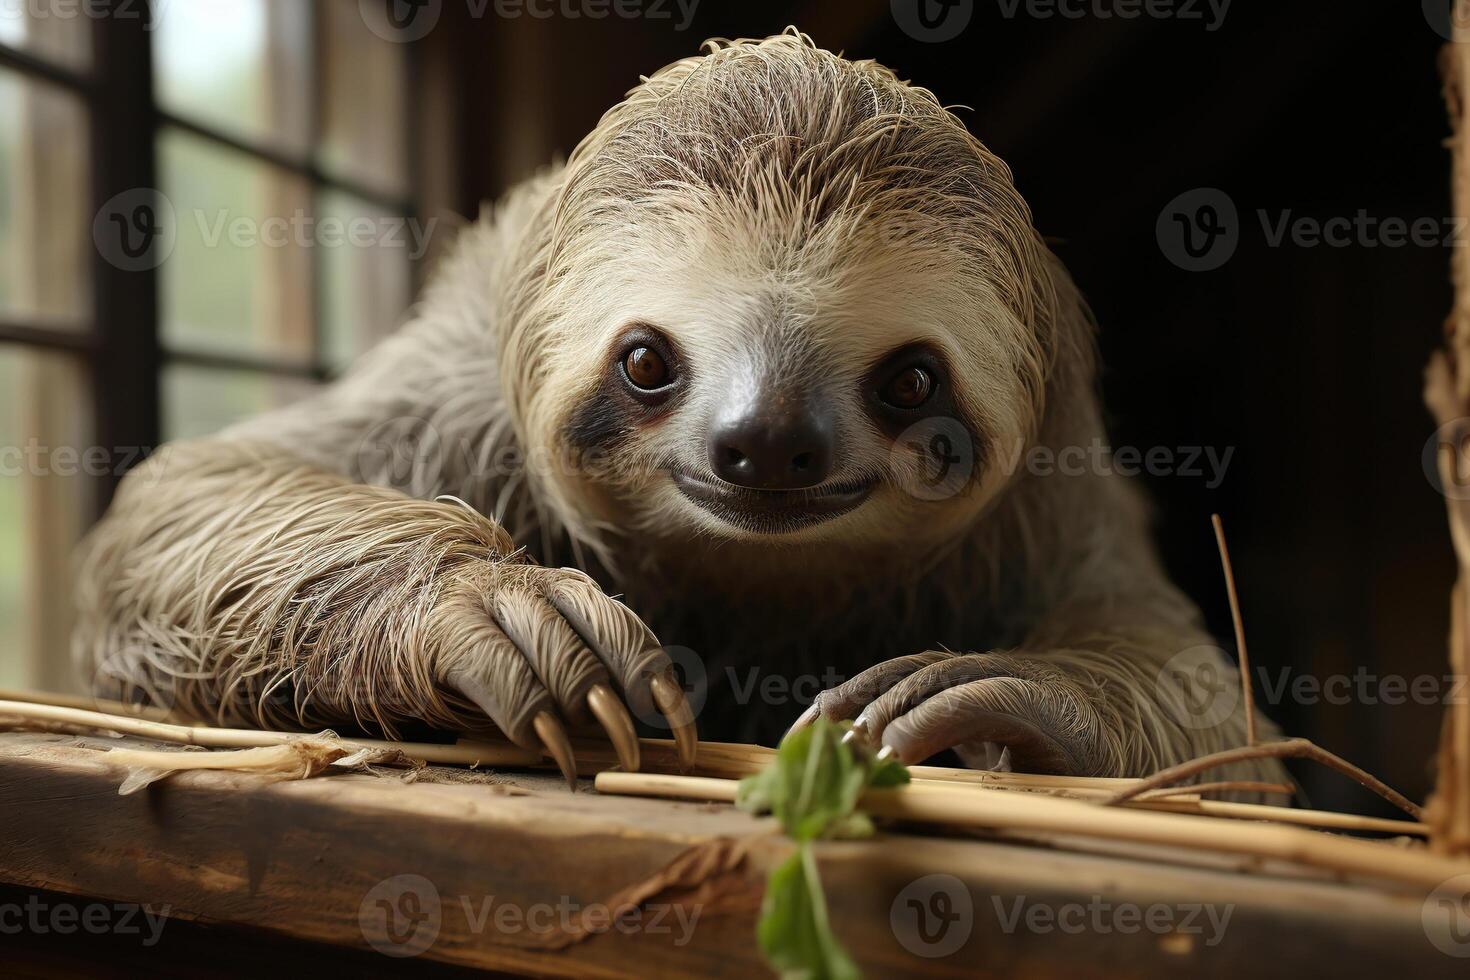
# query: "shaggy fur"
x,y
779,211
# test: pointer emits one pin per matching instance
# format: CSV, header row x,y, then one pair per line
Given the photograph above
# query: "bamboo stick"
x,y
718,759
1233,785
735,759
86,703
731,760
1035,812
1320,819
460,753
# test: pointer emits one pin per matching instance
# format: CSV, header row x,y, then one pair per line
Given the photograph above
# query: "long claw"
x,y
804,719
618,724
669,697
558,745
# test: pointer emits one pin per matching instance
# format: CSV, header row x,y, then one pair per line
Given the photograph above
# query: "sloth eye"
x,y
646,368
909,388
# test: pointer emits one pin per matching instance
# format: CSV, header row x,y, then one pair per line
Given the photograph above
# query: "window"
x,y
203,216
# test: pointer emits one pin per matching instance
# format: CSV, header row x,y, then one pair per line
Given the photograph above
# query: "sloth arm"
x,y
290,573
1114,675
1100,689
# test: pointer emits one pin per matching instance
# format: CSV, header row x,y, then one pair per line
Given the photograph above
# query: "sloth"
x,y
754,372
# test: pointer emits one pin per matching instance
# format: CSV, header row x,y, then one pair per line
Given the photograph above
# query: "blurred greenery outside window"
x,y
281,124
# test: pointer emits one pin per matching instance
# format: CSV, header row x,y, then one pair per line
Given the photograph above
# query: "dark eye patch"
x,y
602,420
613,411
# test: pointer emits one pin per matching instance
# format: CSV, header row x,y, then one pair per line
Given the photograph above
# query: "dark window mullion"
x,y
126,370
417,145
317,49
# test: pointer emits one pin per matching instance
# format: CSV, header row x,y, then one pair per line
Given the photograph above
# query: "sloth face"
x,y
785,298
727,386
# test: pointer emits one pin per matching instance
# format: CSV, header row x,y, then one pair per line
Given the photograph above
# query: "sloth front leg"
x,y
235,582
922,704
1125,704
530,646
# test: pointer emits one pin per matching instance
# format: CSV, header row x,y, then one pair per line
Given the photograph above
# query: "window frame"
x,y
121,348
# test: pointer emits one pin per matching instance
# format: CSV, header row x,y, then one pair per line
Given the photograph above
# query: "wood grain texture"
x,y
302,859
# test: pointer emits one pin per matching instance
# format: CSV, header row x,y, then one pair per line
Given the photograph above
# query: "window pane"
x,y
363,80
58,32
242,66
48,477
198,401
239,277
365,274
45,219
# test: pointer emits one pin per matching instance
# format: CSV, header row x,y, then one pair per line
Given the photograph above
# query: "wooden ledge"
x,y
325,860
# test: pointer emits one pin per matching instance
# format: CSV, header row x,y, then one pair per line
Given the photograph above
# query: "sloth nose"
x,y
786,449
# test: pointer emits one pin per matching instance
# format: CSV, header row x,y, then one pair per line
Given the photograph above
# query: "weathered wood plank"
x,y
308,859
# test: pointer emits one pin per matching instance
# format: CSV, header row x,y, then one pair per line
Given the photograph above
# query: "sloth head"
x,y
781,298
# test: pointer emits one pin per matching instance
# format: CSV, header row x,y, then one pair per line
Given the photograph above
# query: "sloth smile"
x,y
773,511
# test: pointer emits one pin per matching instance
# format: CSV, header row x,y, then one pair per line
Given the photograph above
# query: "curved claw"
x,y
804,719
669,697
859,731
558,745
618,724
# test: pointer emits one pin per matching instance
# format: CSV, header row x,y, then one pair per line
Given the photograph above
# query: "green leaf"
x,y
816,781
794,933
887,772
812,787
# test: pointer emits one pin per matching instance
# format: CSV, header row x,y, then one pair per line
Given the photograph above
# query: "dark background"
x,y
1306,360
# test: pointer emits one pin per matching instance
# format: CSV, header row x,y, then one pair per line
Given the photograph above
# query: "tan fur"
x,y
773,207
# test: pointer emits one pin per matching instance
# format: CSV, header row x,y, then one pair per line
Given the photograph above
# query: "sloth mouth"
x,y
773,511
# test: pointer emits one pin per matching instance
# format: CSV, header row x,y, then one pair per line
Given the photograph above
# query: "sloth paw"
x,y
976,704
540,649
